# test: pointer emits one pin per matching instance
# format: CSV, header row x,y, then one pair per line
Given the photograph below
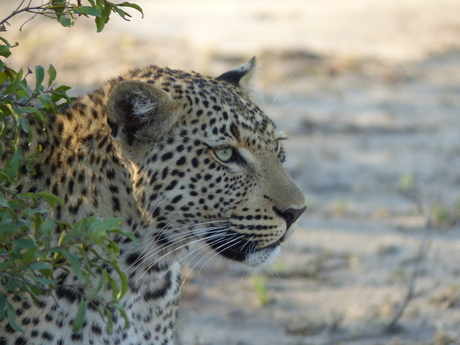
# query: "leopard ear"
x,y
241,76
140,111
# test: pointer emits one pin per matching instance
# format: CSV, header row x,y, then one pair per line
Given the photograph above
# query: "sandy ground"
x,y
369,93
356,140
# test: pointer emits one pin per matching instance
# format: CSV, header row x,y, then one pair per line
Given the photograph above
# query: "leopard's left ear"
x,y
241,76
140,112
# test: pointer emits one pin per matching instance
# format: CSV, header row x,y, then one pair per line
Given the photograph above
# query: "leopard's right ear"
x,y
139,112
244,77
241,76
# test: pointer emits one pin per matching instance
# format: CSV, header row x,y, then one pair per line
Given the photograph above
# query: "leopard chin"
x,y
244,252
263,257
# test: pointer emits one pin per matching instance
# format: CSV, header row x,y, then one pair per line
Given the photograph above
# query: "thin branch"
x,y
392,325
25,281
39,9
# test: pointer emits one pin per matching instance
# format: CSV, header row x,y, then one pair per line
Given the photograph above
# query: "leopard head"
x,y
207,165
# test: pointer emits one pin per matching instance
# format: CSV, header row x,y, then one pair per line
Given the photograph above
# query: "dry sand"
x,y
369,92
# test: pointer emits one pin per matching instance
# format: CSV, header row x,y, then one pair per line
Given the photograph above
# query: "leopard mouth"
x,y
236,249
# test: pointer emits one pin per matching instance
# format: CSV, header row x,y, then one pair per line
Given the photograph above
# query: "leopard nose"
x,y
290,215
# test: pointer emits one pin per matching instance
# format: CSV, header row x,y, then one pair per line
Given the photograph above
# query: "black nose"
x,y
290,215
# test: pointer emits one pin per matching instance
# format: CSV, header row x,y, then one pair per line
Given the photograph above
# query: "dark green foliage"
x,y
30,256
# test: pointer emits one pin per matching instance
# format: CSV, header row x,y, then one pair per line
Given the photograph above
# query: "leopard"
x,y
187,162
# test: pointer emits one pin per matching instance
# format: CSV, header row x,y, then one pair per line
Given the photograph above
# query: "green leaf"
x,y
52,75
100,23
51,199
21,93
88,10
129,4
44,281
101,226
25,125
109,321
11,313
29,255
40,265
124,284
12,167
3,201
62,89
58,6
128,234
34,111
66,22
103,280
6,42
114,287
45,100
23,243
48,227
5,50
104,17
114,247
7,229
5,109
60,93
6,265
15,83
3,76
122,13
74,262
2,306
39,76
125,316
80,318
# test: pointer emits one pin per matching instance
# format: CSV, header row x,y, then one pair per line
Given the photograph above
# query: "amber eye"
x,y
224,153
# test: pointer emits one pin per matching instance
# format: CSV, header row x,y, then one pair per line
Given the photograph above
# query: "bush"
x,y
30,256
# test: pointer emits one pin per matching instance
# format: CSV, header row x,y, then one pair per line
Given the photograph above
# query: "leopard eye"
x,y
224,153
278,145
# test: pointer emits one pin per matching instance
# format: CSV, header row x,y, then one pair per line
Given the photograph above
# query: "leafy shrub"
x,y
30,257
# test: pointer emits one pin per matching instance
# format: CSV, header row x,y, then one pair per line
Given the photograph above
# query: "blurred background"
x,y
369,94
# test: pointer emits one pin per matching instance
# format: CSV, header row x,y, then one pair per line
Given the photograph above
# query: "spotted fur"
x,y
188,162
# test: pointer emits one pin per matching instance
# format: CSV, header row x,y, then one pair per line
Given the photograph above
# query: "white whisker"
x,y
281,89
171,238
177,249
216,241
213,254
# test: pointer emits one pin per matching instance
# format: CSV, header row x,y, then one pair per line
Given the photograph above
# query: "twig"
x,y
25,281
17,11
412,194
392,326
45,9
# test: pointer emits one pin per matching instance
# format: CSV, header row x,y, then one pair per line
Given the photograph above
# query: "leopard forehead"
x,y
213,107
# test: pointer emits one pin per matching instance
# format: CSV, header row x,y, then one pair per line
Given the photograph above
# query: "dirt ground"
x,y
378,158
369,93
